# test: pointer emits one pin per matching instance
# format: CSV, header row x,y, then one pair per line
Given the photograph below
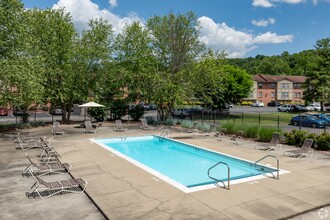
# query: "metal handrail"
x,y
208,173
165,133
277,162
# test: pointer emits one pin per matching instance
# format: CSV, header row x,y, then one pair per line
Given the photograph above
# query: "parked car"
x,y
308,121
323,117
313,107
284,108
298,108
183,112
3,111
258,104
273,104
56,111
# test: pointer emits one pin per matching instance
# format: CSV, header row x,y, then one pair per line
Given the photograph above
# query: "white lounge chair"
x,y
89,127
56,128
236,138
45,189
144,124
119,126
41,169
273,144
305,149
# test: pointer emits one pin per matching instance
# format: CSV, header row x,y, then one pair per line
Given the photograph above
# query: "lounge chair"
x,y
35,143
211,131
220,135
236,138
40,169
305,149
144,124
273,144
89,127
25,139
49,154
119,126
193,129
56,128
47,189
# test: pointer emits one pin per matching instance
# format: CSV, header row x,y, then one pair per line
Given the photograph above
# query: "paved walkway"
x,y
124,191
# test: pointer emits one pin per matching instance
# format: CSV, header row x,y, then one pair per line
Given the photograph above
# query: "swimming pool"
x,y
184,166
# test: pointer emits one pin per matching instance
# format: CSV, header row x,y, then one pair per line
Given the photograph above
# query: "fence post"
x,y
278,122
299,121
213,117
259,119
202,116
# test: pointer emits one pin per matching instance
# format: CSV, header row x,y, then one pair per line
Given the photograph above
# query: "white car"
x,y
284,108
313,107
258,104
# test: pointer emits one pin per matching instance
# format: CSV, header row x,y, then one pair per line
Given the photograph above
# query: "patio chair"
x,y
35,143
119,126
305,149
24,139
45,189
56,128
236,138
49,154
89,127
144,124
193,129
273,144
40,169
210,131
220,135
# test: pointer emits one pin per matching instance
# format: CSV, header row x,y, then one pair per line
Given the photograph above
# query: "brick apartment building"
x,y
285,89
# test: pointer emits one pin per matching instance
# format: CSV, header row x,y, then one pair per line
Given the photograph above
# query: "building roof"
x,y
273,79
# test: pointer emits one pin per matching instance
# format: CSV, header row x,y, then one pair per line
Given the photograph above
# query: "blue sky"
x,y
242,28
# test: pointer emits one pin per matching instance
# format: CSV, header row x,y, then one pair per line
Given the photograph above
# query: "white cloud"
x,y
263,23
262,3
235,43
113,3
84,10
270,37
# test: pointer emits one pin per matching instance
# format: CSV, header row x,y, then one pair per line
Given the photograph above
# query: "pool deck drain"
x,y
124,191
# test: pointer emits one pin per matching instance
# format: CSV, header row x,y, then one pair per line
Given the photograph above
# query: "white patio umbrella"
x,y
90,104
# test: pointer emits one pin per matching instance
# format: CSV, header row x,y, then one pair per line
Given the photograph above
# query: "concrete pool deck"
x,y
123,191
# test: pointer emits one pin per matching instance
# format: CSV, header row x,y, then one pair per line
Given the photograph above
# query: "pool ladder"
x,y
277,164
165,133
228,168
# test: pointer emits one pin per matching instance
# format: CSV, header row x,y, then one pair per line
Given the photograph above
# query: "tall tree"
x,y
317,85
176,46
19,68
136,63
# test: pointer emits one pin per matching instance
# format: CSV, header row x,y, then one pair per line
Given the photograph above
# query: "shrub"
x,y
150,120
136,112
97,113
323,142
295,137
118,108
187,124
265,134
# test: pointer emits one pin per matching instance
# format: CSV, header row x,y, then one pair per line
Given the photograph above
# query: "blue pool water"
x,y
183,163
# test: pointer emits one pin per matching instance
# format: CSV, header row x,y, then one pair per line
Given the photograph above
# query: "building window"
x,y
282,95
287,95
283,85
272,94
272,86
299,94
295,95
260,94
286,85
260,85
